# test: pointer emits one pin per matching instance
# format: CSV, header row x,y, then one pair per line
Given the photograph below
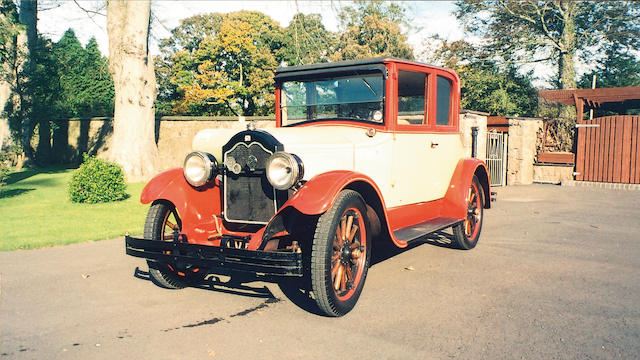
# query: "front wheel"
x,y
467,233
340,254
161,224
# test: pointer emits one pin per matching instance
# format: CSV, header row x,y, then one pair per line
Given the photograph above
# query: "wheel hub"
x,y
345,254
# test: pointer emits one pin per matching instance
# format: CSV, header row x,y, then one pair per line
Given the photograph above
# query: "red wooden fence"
x,y
608,150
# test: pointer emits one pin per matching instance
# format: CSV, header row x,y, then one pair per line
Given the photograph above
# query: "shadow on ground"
x,y
298,290
24,174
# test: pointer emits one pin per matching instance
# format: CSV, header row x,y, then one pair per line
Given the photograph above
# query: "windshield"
x,y
343,98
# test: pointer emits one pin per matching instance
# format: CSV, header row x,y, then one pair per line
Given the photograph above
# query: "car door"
x,y
424,144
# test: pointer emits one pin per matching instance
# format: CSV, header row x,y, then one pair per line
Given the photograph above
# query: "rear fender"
x,y
197,207
455,200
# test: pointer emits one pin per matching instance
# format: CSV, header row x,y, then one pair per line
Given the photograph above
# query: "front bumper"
x,y
218,260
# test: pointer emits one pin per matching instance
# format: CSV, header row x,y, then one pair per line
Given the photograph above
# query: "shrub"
x,y
97,180
5,168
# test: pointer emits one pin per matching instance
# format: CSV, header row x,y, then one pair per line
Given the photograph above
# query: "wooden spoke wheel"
x,y
340,254
467,233
163,224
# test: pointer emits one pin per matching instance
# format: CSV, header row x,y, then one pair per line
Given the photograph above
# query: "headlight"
x,y
199,168
284,170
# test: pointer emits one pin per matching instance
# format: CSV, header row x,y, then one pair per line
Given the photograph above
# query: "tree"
x,y
370,29
131,67
44,87
306,41
555,32
227,71
619,67
485,86
9,32
28,17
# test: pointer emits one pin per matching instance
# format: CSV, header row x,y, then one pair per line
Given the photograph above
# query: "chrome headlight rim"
x,y
202,173
284,170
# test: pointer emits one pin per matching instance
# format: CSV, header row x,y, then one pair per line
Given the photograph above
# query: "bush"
x,y
96,181
5,168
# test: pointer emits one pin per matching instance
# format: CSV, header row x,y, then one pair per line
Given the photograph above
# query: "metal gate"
x,y
497,158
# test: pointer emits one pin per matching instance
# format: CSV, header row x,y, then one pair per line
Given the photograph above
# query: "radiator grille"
x,y
248,196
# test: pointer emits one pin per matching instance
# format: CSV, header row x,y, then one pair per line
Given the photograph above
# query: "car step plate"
x,y
419,230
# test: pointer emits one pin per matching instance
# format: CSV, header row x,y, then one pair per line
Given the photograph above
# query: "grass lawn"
x,y
36,212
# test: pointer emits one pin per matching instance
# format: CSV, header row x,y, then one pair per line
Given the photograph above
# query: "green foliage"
x,y
306,41
484,85
86,88
617,68
372,28
553,32
96,181
4,170
225,67
8,33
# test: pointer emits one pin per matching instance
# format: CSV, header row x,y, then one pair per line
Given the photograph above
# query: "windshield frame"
x,y
329,75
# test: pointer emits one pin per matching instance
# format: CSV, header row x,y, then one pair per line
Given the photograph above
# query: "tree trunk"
x,y
131,66
43,151
28,17
567,52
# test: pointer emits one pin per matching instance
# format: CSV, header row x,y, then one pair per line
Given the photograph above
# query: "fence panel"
x,y
608,150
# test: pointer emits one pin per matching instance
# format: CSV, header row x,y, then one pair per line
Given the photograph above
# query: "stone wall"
x,y
552,174
176,133
522,150
173,135
469,119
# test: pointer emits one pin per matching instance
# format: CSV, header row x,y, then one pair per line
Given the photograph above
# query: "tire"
x,y
340,254
466,234
161,221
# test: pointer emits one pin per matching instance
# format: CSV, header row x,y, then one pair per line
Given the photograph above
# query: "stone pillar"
x,y
521,150
469,119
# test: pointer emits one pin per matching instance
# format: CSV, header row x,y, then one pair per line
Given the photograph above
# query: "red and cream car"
x,y
363,151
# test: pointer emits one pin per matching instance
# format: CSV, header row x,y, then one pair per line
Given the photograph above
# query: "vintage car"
x,y
363,151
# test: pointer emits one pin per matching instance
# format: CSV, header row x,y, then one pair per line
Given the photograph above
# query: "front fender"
x,y
197,207
455,200
318,194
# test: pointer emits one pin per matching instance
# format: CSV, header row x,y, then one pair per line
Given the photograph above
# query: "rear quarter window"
x,y
443,101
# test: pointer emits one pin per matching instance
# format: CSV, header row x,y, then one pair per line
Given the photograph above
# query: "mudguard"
x,y
197,207
318,194
455,200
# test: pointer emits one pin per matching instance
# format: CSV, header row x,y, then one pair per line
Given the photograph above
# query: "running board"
x,y
417,231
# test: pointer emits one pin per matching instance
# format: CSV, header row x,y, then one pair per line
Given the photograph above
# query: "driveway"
x,y
555,275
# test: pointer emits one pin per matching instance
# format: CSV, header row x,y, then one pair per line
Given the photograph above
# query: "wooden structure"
x,y
608,148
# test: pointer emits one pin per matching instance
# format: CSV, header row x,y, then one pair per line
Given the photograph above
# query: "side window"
x,y
411,97
443,101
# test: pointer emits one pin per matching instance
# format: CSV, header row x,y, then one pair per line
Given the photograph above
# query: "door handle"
x,y
434,145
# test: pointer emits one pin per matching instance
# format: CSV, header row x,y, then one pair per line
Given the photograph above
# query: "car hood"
x,y
321,148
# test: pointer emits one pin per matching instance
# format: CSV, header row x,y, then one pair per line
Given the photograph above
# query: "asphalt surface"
x,y
555,276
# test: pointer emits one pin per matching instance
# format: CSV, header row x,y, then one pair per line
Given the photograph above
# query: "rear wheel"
x,y
340,254
467,233
161,224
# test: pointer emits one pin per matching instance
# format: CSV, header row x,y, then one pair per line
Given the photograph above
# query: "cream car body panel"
x,y
212,140
328,148
425,174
